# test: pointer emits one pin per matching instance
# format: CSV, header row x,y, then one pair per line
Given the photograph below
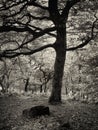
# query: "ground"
x,y
80,116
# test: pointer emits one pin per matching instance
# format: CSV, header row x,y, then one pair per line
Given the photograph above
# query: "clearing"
x,y
80,116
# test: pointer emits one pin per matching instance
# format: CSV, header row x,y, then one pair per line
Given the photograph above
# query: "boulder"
x,y
65,126
36,111
26,112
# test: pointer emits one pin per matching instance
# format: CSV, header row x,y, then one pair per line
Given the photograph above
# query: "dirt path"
x,y
80,116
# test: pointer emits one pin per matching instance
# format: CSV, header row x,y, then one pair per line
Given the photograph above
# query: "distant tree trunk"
x,y
41,88
45,88
26,84
45,84
66,90
60,48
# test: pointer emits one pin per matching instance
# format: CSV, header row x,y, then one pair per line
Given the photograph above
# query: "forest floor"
x,y
78,116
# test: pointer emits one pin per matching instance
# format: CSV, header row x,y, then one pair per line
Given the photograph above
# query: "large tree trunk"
x,y
60,48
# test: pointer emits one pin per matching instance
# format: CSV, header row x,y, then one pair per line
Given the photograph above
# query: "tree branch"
x,y
80,46
53,10
6,7
15,13
87,40
69,4
38,18
10,54
34,3
5,28
26,28
37,28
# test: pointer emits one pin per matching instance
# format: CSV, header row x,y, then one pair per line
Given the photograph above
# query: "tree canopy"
x,y
37,18
28,22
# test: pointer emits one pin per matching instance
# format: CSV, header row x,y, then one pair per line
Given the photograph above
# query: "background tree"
x,y
44,72
33,20
6,68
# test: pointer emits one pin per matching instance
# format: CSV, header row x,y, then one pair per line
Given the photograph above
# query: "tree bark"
x,y
60,48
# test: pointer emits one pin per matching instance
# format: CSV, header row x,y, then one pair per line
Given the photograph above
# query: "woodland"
x,y
49,57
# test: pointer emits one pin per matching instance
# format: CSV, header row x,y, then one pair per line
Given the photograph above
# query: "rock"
x,y
26,113
65,126
6,128
39,111
36,111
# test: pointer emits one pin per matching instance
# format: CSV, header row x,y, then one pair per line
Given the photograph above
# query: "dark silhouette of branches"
x,y
35,31
10,54
69,4
38,20
88,39
34,3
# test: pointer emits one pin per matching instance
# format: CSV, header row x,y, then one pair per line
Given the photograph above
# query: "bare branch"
x,y
34,3
53,10
10,54
16,13
81,45
69,4
6,7
38,18
87,40
26,28
37,28
17,29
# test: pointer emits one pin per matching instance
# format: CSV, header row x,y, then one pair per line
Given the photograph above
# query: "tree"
x,y
43,72
45,77
36,19
6,68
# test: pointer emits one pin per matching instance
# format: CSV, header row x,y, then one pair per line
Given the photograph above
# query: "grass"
x,y
79,116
